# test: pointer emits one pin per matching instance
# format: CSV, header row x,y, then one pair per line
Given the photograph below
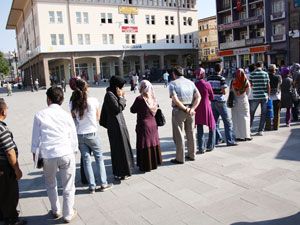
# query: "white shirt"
x,y
54,133
88,123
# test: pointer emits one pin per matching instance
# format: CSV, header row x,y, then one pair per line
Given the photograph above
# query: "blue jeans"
x,y
253,106
202,145
220,109
91,143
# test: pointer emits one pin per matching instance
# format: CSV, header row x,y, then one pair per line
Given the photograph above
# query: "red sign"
x,y
226,53
129,29
239,6
260,49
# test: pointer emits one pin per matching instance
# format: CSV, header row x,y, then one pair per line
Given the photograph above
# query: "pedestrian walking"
x,y
63,85
286,94
36,84
275,96
241,109
166,78
9,89
204,114
185,99
219,108
10,173
86,113
147,140
260,84
113,120
54,139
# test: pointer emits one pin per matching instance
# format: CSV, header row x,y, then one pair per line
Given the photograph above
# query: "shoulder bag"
x,y
160,118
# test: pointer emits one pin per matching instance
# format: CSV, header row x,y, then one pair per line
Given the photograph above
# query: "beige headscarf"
x,y
147,92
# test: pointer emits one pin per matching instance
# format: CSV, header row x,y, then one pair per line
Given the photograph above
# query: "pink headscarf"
x,y
147,92
200,73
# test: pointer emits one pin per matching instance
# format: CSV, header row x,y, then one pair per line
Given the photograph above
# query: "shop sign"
x,y
128,10
260,49
255,41
213,57
129,29
241,51
226,53
132,47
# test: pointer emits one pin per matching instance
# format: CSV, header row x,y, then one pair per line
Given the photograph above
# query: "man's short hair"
x,y
218,67
259,64
3,105
178,70
55,95
251,68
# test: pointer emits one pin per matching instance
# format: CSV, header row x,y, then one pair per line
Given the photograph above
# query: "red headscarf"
x,y
240,83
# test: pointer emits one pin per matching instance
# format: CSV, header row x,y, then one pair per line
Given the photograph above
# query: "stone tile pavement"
x,y
257,182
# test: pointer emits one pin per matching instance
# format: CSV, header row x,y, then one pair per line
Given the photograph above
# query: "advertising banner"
x,y
129,29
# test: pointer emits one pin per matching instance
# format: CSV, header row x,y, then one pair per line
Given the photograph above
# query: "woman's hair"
x,y
79,98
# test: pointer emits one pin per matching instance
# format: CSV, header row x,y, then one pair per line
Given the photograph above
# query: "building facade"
x,y
208,37
294,31
254,30
58,39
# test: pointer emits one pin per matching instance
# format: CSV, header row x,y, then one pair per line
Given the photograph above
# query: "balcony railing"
x,y
233,44
278,15
241,23
278,38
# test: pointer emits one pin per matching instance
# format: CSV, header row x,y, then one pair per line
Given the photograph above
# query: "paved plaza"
x,y
255,183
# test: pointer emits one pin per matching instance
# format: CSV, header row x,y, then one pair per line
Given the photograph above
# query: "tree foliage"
x,y
4,65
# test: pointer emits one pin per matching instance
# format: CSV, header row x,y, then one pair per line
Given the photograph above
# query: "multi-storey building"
x,y
62,38
258,30
208,36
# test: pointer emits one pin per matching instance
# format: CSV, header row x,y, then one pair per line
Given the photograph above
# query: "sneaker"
x,y
125,177
259,133
175,161
232,144
55,215
106,187
187,158
92,190
72,217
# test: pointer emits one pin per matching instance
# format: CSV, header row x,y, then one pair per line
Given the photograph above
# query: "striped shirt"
x,y
6,143
260,81
218,83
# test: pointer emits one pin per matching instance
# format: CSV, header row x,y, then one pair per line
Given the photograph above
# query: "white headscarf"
x,y
147,92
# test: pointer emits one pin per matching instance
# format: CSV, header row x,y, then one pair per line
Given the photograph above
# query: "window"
x,y
191,38
200,28
78,17
172,20
167,38
61,38
243,35
104,39
278,29
85,17
87,39
129,19
166,20
206,52
127,38
185,39
242,15
153,20
205,39
184,21
103,18
227,19
126,19
109,18
190,20
207,26
278,6
51,17
53,39
133,38
153,38
80,39
148,38
111,39
147,17
59,17
173,38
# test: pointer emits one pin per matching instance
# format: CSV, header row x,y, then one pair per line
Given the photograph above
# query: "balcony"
x,y
241,23
277,16
232,44
278,38
255,41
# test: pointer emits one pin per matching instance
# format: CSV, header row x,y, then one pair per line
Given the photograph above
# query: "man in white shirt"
x,y
166,78
54,139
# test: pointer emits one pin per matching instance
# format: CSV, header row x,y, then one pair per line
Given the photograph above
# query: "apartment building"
x,y
63,38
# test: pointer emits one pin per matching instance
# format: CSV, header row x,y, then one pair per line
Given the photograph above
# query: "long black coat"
x,y
286,92
113,120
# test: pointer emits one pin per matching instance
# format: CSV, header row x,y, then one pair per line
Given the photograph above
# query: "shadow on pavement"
x,y
42,219
290,220
291,150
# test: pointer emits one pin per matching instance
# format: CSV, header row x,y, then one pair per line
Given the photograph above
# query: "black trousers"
x,y
295,110
9,193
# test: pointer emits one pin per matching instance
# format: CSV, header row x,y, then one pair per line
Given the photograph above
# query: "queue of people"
x,y
57,135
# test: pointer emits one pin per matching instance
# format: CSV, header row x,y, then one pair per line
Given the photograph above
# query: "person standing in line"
x,y
54,139
295,71
275,95
10,173
147,140
166,78
219,108
185,99
204,114
241,109
286,94
113,120
86,113
9,89
260,84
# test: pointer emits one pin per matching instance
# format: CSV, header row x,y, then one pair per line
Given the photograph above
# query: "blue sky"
x,y
8,43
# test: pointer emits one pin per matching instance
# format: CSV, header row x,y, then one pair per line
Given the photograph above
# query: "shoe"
x,y
187,158
259,133
209,149
221,141
240,139
288,125
16,222
249,139
106,187
232,144
55,215
200,152
125,178
175,161
92,190
72,217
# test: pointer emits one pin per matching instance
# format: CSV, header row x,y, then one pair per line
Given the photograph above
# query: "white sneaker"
x,y
72,217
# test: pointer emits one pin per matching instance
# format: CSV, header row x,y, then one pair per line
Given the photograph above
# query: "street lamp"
x,y
30,71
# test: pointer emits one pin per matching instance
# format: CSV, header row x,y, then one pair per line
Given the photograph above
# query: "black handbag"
x,y
230,99
160,118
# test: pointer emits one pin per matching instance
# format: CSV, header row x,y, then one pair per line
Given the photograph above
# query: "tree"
x,y
4,65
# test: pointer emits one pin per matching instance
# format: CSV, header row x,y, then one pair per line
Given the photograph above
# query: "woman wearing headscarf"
x,y
286,94
204,114
295,71
241,109
147,141
112,119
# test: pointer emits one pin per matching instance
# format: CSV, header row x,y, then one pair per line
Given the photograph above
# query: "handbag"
x,y
160,118
230,99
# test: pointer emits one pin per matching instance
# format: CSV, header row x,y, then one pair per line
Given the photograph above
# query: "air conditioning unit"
x,y
253,6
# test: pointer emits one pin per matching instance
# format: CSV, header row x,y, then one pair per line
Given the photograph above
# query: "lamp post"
x,y
30,71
